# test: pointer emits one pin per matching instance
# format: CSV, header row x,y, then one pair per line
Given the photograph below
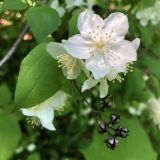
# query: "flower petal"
x,y
46,117
55,49
58,100
74,72
70,4
116,25
97,65
88,84
103,88
49,126
136,43
121,53
144,22
55,5
43,112
88,22
115,71
78,47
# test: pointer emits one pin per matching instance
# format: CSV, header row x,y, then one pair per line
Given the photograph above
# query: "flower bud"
x,y
122,132
114,118
102,127
106,103
111,143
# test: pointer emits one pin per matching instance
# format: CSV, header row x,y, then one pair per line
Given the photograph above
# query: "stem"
x,y
9,54
97,114
76,86
14,47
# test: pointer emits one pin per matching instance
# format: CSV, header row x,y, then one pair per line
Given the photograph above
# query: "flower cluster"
x,y
151,14
137,111
100,50
112,130
154,108
70,4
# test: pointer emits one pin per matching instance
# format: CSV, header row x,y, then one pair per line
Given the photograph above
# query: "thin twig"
x,y
9,54
14,47
97,114
78,89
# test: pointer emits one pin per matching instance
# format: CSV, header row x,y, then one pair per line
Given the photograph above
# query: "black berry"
x,y
106,103
114,118
102,127
122,132
111,143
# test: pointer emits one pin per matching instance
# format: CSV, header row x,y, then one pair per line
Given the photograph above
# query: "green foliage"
x,y
34,156
5,95
10,135
42,21
135,87
73,23
137,146
13,5
152,64
38,78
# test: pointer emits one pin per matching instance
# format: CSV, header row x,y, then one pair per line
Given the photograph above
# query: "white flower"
x,y
91,3
145,77
90,83
71,66
43,113
70,4
156,18
154,107
19,150
86,111
101,43
55,5
149,14
144,16
137,111
31,147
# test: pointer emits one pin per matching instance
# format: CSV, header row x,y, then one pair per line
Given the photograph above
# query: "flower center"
x,y
66,61
100,44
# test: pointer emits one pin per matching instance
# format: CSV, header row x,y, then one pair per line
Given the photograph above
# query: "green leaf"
x,y
136,147
13,5
146,35
154,85
10,135
135,87
156,49
152,64
43,21
34,156
146,3
73,24
39,78
5,95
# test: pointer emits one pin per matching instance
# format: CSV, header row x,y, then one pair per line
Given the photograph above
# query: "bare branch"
x,y
16,43
14,47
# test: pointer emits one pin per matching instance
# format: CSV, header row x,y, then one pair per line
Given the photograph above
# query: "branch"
x,y
16,43
14,47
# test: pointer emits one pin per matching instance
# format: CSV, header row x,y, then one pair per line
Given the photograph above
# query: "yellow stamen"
x,y
34,121
66,62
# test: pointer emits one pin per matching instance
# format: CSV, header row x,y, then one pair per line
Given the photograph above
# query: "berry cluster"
x,y
113,130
